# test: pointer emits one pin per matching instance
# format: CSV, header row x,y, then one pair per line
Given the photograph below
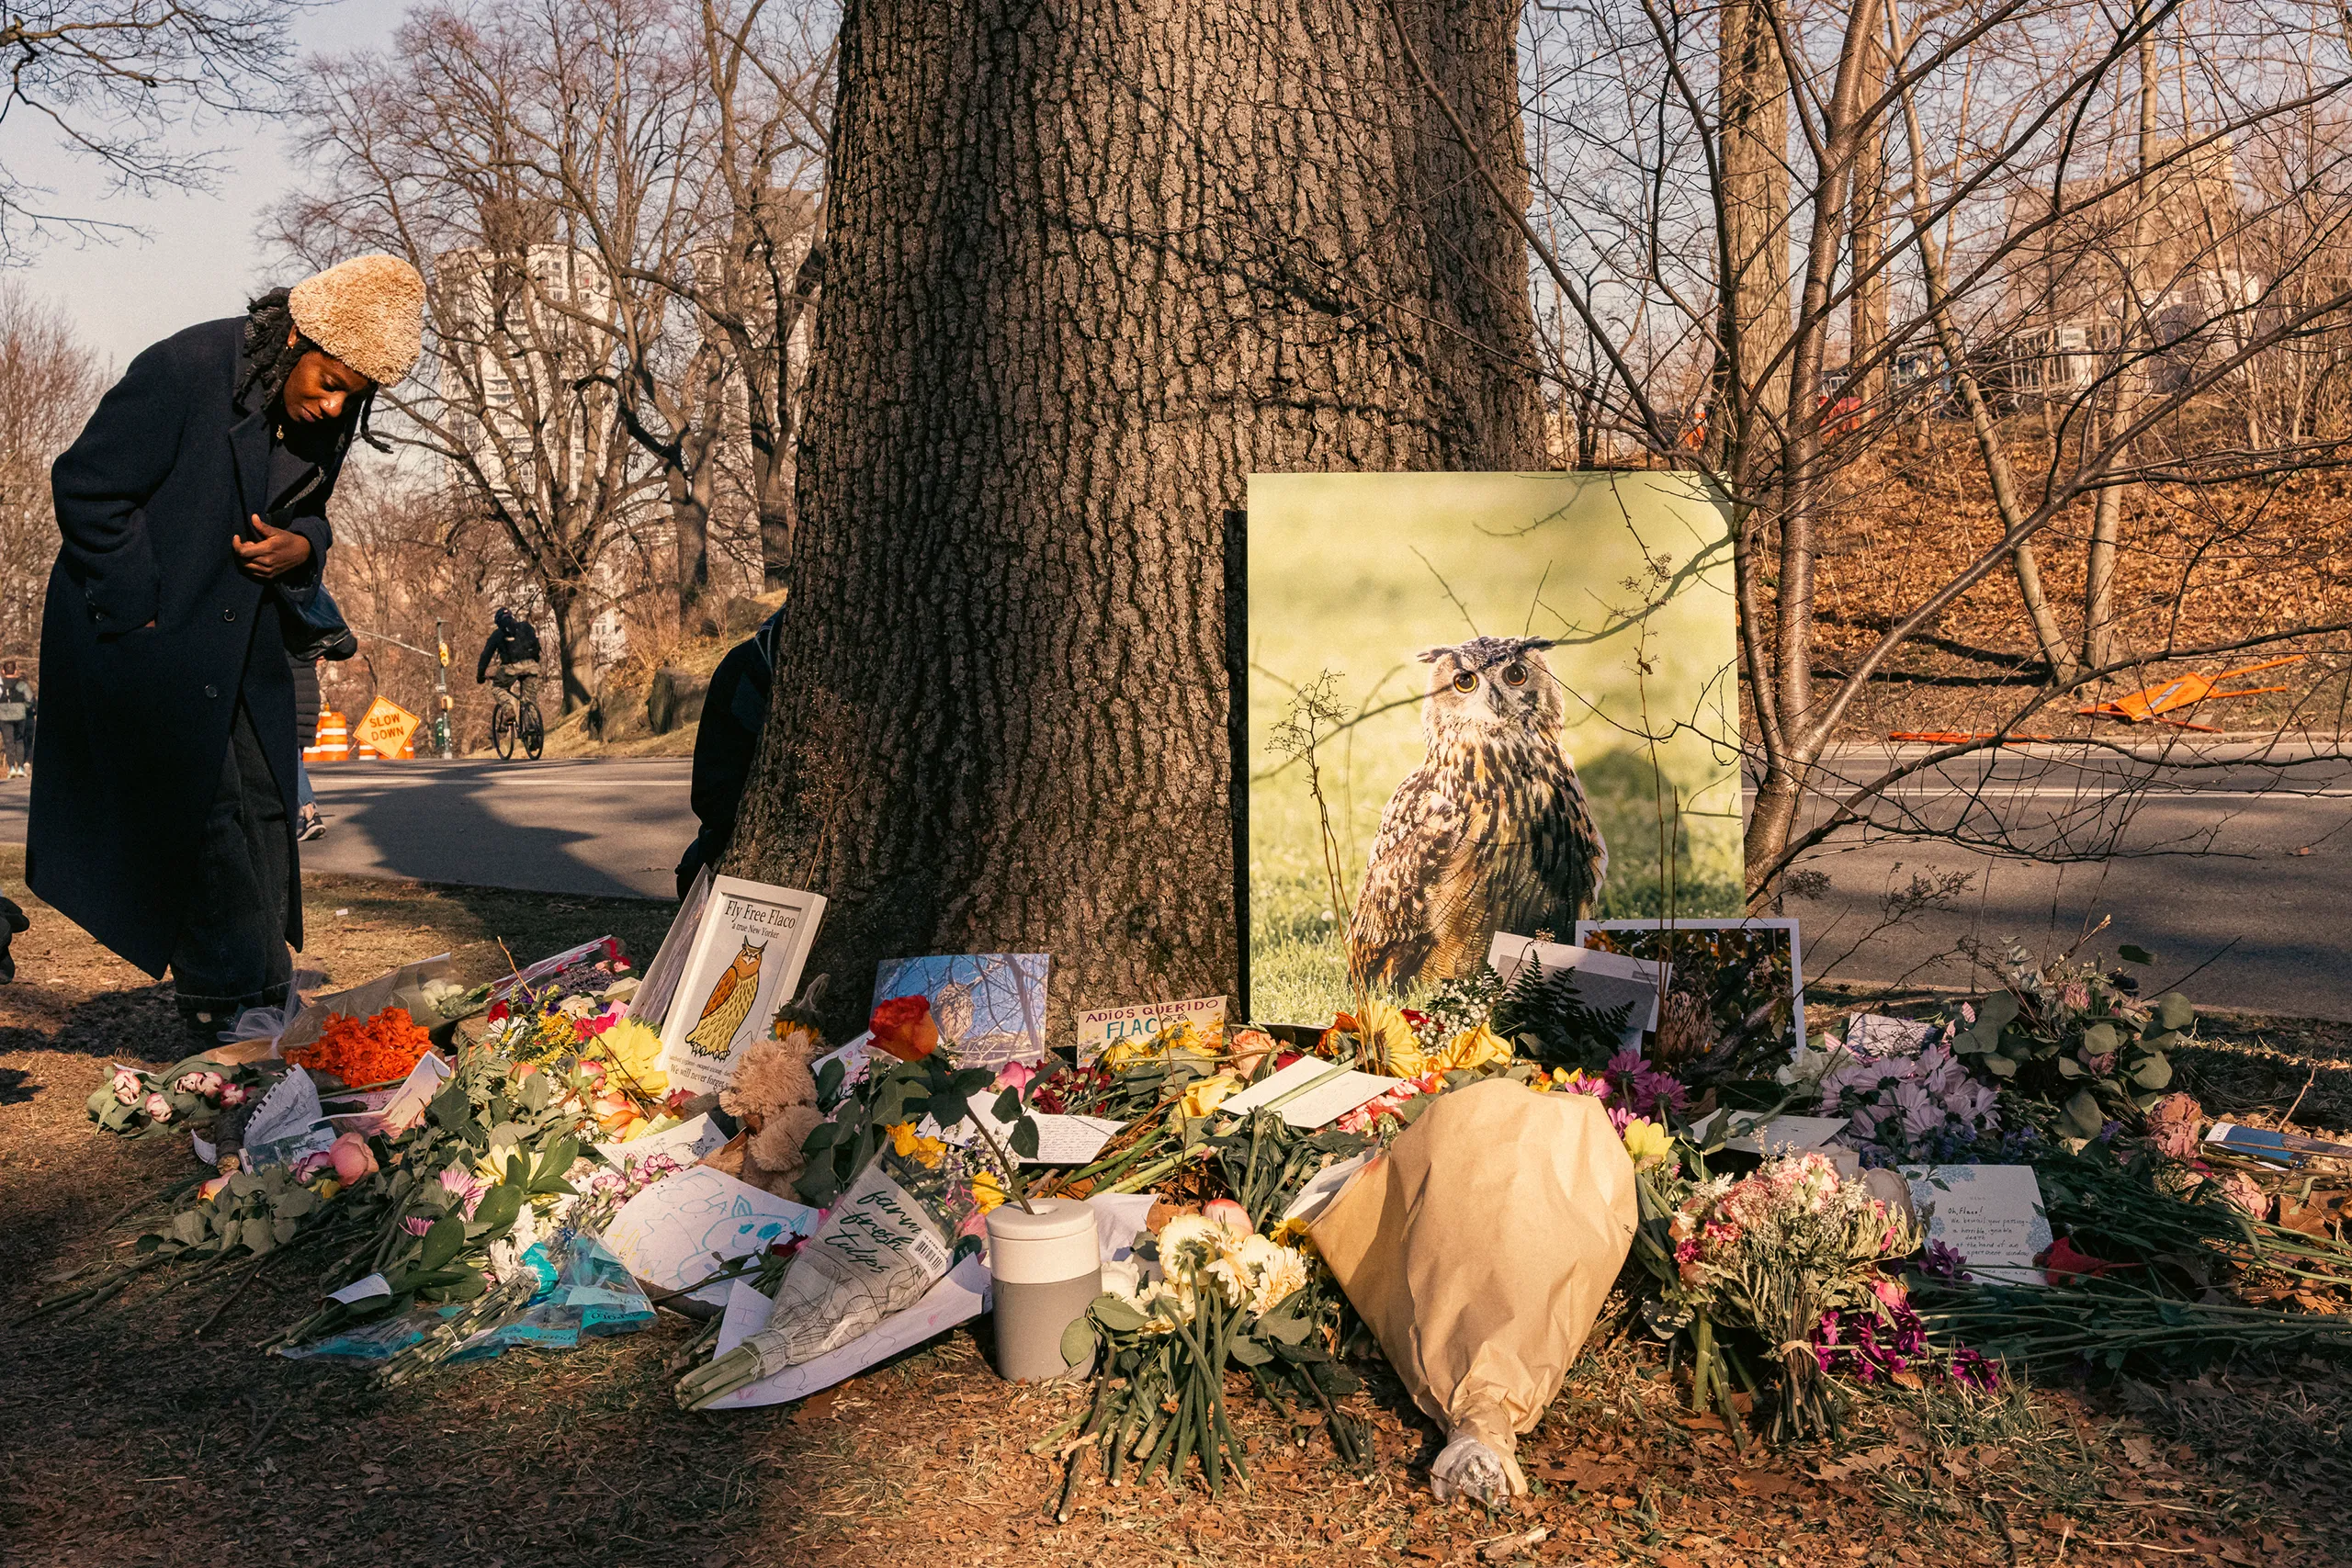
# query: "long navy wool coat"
x,y
135,717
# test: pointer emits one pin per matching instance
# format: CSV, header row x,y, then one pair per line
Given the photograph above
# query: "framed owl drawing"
x,y
743,966
1479,703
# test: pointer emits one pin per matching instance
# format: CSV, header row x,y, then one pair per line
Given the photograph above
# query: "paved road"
x,y
554,827
2233,863
2205,866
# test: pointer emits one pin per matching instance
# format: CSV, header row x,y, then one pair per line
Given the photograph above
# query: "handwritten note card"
x,y
1990,1214
1309,1092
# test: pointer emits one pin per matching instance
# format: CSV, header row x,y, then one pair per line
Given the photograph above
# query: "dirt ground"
x,y
150,1432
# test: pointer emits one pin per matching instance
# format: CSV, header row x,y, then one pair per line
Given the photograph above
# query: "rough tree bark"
x,y
1089,269
1754,212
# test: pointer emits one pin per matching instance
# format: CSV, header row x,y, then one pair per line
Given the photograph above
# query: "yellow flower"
x,y
326,1189
902,1138
1290,1233
1472,1048
929,1152
986,1190
1203,1096
1389,1038
1646,1142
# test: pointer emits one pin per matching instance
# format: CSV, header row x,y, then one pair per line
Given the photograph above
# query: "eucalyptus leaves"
x,y
2075,1037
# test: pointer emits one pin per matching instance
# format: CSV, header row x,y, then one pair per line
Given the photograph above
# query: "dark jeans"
x,y
232,953
16,742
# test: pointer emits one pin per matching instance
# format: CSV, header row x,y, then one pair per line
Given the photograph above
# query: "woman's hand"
x,y
279,551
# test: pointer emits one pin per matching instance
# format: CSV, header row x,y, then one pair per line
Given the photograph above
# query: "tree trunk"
x,y
1866,335
1755,216
690,527
2107,510
567,607
1089,269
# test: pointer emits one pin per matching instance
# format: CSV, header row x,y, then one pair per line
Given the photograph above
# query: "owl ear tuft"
x,y
1535,644
1431,654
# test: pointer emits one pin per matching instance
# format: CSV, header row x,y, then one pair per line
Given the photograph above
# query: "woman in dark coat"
x,y
191,505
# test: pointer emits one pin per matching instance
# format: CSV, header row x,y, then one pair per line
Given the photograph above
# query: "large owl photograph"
x,y
1479,703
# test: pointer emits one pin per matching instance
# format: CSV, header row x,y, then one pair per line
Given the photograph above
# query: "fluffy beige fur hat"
x,y
367,311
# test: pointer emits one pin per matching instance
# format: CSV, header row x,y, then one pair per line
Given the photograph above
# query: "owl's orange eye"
x,y
1515,674
1467,681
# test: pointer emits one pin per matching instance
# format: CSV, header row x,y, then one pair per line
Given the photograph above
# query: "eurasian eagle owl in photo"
x,y
1490,833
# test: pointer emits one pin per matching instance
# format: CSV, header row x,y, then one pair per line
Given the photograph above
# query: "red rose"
x,y
902,1026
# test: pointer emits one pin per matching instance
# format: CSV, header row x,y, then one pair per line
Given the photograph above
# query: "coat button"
x,y
228,615
211,691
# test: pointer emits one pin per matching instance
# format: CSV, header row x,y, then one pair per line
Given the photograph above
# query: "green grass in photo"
x,y
1355,574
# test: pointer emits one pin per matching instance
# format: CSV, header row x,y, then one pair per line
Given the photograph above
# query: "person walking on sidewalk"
x,y
192,509
513,647
16,719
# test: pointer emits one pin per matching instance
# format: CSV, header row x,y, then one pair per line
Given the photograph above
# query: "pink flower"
x,y
352,1158
126,1086
232,1094
465,1189
1016,1075
1232,1216
312,1164
417,1224
158,1108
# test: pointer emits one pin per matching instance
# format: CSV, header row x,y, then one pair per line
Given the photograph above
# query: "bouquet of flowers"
x,y
1771,1253
1223,1295
135,1102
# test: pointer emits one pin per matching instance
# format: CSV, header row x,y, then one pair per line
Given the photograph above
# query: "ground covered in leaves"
x,y
150,1432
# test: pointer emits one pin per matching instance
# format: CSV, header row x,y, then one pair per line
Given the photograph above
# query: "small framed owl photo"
x,y
743,964
1734,1008
1479,703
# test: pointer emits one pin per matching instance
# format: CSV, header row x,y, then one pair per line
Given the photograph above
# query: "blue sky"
x,y
201,257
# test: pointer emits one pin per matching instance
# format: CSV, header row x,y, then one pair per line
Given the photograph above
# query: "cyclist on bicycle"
x,y
514,644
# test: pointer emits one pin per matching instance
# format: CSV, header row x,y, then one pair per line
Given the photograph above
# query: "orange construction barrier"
x,y
2155,701
332,743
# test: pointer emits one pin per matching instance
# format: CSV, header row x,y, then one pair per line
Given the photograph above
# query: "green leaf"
x,y
1008,1105
1078,1343
190,1226
518,1174
949,1109
2173,1010
535,1093
443,1241
820,1138
2000,1066
2083,1117
1025,1137
294,1205
260,1239
969,1082
2154,1072
2131,955
1116,1313
557,1157
829,1081
450,1109
1248,1352
2099,1039
555,1185
1997,1010
497,1210
2070,1068
285,1229
1286,1327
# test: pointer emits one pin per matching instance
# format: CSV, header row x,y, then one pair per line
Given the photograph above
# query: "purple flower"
x,y
465,1189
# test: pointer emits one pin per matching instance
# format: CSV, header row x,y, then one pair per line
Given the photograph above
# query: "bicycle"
x,y
517,720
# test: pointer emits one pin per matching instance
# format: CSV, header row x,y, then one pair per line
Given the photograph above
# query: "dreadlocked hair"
x,y
273,347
